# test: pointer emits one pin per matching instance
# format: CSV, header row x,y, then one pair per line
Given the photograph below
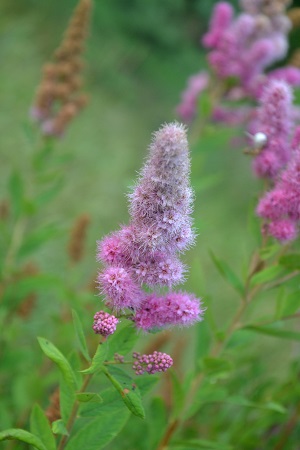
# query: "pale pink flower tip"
x,y
104,323
156,362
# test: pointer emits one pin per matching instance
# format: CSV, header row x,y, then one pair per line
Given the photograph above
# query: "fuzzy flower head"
x,y
174,308
119,288
274,119
161,203
145,253
104,323
156,362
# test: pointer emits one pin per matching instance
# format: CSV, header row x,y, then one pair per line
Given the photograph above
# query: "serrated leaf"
x,y
80,336
58,358
272,330
40,426
58,427
131,399
228,274
36,239
266,275
99,431
98,359
89,397
23,436
16,190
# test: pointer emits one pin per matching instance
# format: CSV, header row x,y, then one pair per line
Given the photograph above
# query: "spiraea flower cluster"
x,y
274,119
281,205
156,362
104,323
241,49
145,253
59,99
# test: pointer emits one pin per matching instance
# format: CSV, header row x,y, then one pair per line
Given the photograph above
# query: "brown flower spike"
x,y
58,98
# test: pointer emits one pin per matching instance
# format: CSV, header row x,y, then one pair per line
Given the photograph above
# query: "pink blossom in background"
x,y
221,19
274,119
281,205
188,107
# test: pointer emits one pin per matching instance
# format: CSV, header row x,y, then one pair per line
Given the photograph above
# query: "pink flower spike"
x,y
104,323
221,18
188,106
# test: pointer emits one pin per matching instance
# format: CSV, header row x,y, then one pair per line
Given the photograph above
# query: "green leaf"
x,y
227,273
157,421
216,367
89,397
111,404
46,196
199,443
58,427
291,304
203,340
16,190
177,394
131,398
266,275
80,336
40,426
24,436
98,359
204,106
269,251
291,261
67,397
99,431
272,330
38,238
122,341
56,356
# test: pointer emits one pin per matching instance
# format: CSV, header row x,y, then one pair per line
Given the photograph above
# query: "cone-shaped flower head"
x,y
146,252
161,203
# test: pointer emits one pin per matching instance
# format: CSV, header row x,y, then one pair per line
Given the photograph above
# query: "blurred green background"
x,y
138,57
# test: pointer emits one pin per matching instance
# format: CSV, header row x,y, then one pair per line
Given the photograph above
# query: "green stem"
x,y
15,243
74,411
